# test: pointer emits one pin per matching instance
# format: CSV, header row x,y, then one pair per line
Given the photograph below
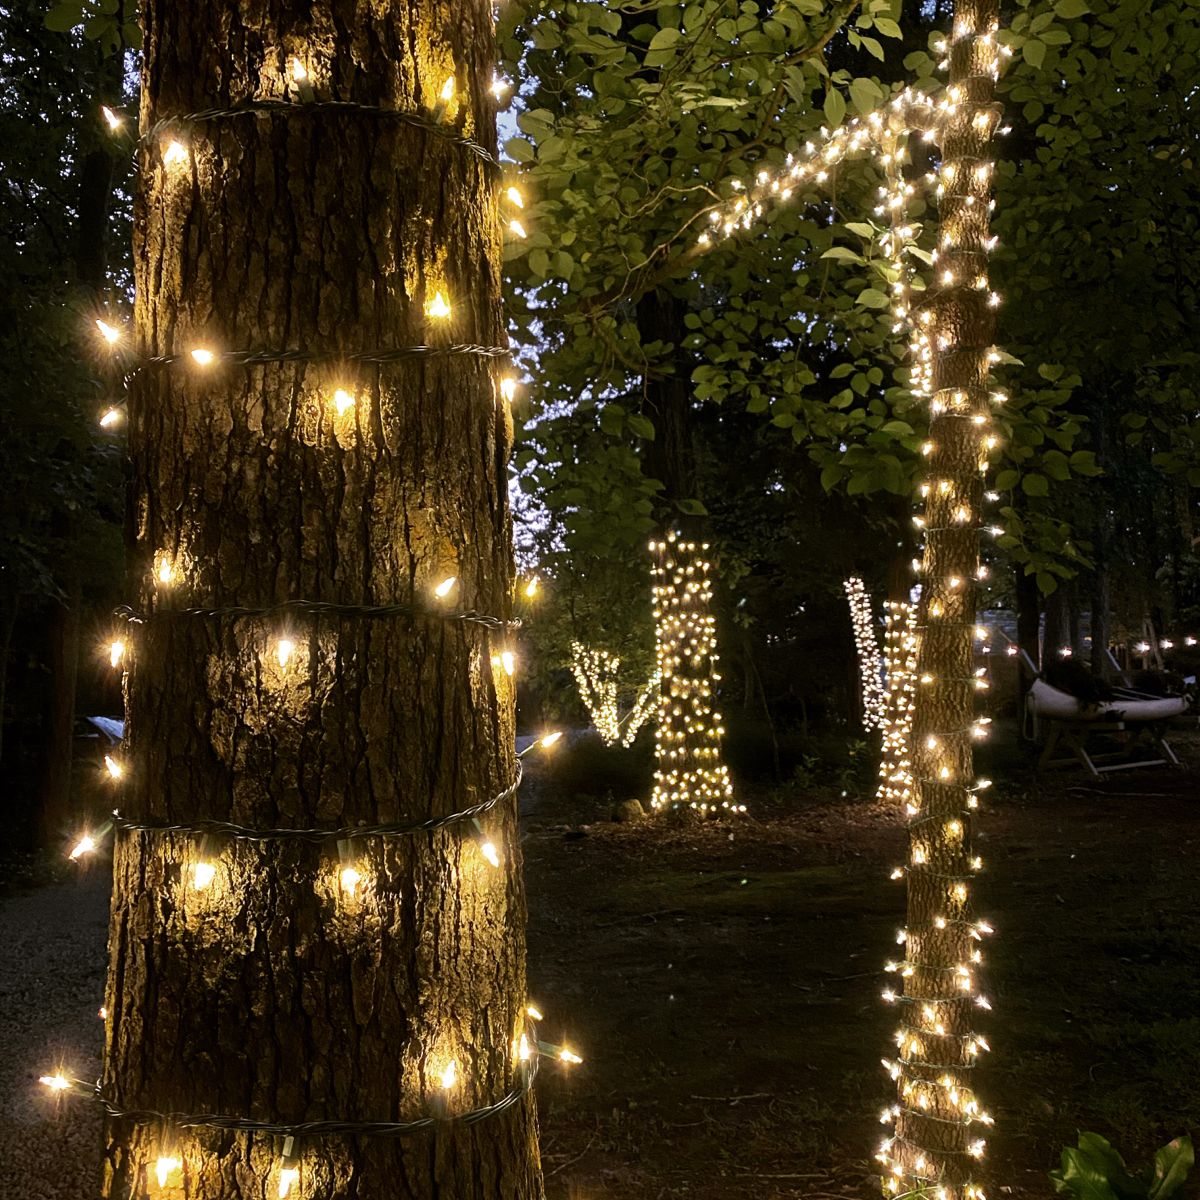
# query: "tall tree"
x,y
276,979
937,1117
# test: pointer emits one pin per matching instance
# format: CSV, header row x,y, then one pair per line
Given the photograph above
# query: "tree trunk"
x,y
1057,633
1029,616
937,1137
1101,622
62,657
274,993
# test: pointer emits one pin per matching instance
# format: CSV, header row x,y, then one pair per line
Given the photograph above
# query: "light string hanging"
x,y
687,743
526,1049
870,663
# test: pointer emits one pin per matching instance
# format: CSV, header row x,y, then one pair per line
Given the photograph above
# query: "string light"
x,y
508,388
443,589
596,679
531,588
113,119
165,1167
116,652
343,401
870,663
202,356
438,307
110,333
175,154
900,656
687,749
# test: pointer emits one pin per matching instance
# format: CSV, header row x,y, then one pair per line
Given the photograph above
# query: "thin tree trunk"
x,y
273,993
1029,615
936,1134
1057,633
1101,621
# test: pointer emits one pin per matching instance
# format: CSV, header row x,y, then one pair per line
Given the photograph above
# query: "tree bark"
x,y
1029,615
936,1132
272,993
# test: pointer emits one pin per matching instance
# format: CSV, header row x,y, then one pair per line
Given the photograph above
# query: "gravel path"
x,y
51,986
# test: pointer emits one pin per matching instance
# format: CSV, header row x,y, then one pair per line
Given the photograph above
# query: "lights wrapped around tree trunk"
x,y
937,1117
900,663
870,663
688,767
597,679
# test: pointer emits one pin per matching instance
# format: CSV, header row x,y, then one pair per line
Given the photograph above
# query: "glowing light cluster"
x,y
687,748
596,677
870,662
900,663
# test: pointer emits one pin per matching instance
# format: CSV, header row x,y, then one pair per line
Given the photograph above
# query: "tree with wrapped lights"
x,y
317,963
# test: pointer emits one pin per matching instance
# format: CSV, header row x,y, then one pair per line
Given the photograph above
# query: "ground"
x,y
723,984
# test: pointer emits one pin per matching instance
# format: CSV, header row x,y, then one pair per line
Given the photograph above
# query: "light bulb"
x,y
203,873
288,1178
342,400
165,1167
203,356
489,851
110,418
110,333
116,652
114,119
443,589
349,879
85,845
449,1076
568,1056
284,650
549,740
533,1011
176,152
508,661
166,573
114,768
438,307
515,197
531,588
57,1082
299,71
517,229
447,92
508,388
500,87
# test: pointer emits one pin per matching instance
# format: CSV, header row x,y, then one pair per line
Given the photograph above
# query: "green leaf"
x,y
612,419
64,17
1172,1163
519,150
835,107
662,47
1068,10
642,426
1034,52
844,253
1035,485
888,27
693,508
872,298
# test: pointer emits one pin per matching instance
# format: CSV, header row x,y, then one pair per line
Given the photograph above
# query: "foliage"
x,y
1096,1171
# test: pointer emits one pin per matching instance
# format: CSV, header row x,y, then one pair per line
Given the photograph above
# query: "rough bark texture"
x,y
938,1050
271,993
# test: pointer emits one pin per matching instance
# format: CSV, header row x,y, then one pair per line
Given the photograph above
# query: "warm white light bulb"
x,y
551,738
568,1056
175,153
500,87
489,851
508,388
350,879
299,71
165,1167
113,119
515,197
517,229
284,651
116,652
534,1012
342,400
85,845
203,873
110,333
288,1178
438,307
203,356
447,92
508,661
110,418
531,588
449,1076
57,1082
114,768
443,589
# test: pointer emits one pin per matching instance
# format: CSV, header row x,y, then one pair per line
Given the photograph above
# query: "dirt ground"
x,y
723,984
